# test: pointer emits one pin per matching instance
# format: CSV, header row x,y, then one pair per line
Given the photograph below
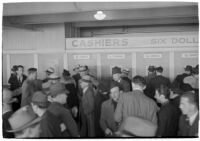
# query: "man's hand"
x,y
108,131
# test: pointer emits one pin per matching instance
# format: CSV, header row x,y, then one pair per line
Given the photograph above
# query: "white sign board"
x,y
190,55
134,42
116,56
81,57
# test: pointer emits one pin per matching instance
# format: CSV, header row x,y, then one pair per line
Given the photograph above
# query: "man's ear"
x,y
144,87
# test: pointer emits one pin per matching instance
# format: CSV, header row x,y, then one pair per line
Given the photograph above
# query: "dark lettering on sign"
x,y
100,43
107,42
184,40
124,42
158,41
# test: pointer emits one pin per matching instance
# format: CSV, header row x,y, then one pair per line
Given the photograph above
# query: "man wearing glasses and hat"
x,y
87,108
116,75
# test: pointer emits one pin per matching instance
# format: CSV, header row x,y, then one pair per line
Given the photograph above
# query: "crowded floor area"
x,y
128,71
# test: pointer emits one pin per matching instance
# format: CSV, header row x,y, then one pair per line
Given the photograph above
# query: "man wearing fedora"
x,y
50,125
58,94
87,108
49,71
107,122
116,75
25,123
178,81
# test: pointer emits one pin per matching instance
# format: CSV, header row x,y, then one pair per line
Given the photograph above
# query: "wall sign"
x,y
190,55
152,55
81,57
150,40
116,56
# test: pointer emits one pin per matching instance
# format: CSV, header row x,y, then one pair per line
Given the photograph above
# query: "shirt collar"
x,y
192,118
85,89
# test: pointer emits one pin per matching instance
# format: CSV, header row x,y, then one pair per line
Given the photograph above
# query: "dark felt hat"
x,y
116,70
66,72
40,98
151,68
188,68
14,68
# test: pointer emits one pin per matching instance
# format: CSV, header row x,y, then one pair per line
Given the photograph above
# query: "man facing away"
x,y
30,86
135,103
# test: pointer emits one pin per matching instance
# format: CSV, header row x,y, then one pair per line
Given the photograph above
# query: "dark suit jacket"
x,y
186,130
107,116
158,80
14,82
50,126
168,118
65,116
129,82
87,113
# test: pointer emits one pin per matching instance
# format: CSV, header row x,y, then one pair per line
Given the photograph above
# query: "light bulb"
x,y
99,15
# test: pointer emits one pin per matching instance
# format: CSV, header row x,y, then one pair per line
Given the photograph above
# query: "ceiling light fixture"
x,y
99,15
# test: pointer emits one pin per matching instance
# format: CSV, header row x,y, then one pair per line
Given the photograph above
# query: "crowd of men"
x,y
81,106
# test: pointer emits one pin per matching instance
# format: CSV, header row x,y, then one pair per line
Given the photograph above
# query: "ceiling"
x,y
117,13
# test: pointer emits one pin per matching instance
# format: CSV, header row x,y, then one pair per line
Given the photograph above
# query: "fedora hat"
x,y
57,89
138,127
53,77
116,70
83,68
14,68
125,70
50,70
86,78
22,119
188,68
40,98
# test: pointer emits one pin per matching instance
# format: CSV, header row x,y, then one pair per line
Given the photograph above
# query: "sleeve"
x,y
119,110
26,91
180,126
46,129
154,114
103,118
70,123
89,104
162,121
